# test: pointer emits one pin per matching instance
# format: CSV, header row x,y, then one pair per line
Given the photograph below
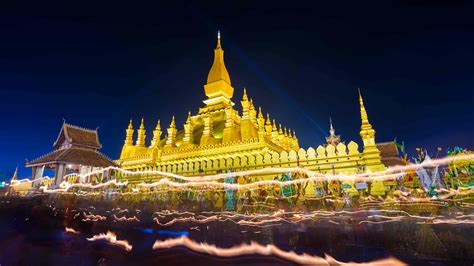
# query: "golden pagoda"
x,y
219,138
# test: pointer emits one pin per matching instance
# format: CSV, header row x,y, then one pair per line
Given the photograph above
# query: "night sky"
x,y
98,65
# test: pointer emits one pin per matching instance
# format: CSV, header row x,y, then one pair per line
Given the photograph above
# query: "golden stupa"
x,y
219,138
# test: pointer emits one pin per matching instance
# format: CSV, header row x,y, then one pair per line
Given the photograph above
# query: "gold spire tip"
x,y
360,95
218,39
188,120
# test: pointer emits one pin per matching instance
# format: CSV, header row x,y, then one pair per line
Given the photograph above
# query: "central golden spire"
x,y
218,70
218,88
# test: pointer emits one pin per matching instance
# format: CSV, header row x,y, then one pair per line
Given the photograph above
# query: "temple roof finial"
x,y
267,121
252,107
173,123
130,124
156,134
218,39
260,114
245,97
188,120
333,138
360,97
363,112
331,129
142,125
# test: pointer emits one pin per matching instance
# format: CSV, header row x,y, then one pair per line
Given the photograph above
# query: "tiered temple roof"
x,y
75,145
77,136
74,155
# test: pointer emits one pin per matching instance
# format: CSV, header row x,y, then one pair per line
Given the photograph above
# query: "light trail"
x,y
223,218
465,216
187,219
126,219
26,180
440,161
71,230
279,216
268,250
207,182
93,218
111,238
244,187
65,186
214,184
452,221
120,211
279,213
244,222
380,222
173,212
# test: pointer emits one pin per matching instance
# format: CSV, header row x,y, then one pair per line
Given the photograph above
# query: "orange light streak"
x,y
111,238
71,230
267,250
93,218
126,219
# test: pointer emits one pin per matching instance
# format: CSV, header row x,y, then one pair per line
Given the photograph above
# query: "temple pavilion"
x,y
76,150
218,137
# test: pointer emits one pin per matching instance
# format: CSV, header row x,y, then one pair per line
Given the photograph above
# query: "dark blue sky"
x,y
98,65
